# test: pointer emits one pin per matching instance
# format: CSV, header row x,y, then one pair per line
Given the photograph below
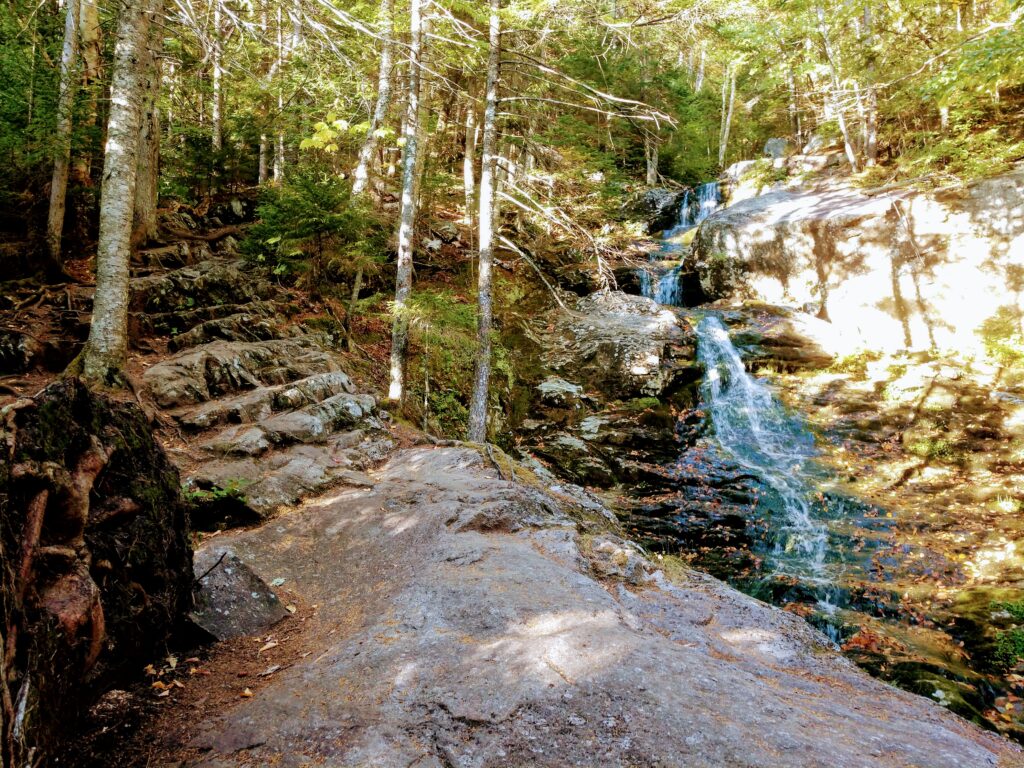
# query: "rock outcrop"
x,y
543,641
97,564
889,270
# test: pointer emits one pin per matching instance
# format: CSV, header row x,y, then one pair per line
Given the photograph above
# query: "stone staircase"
x,y
265,410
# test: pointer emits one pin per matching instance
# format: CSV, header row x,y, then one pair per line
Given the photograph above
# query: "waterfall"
x,y
696,206
754,430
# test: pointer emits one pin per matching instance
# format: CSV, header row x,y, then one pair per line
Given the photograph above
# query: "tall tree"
x,y
148,174
485,310
105,355
92,64
407,217
380,110
62,156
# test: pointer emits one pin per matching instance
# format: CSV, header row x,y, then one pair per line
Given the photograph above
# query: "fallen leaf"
x,y
290,608
247,694
267,647
270,670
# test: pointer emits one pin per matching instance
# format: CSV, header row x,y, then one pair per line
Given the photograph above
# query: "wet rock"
x,y
97,562
220,368
559,393
660,208
231,600
624,347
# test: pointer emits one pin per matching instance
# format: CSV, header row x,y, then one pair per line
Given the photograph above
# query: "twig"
x,y
210,569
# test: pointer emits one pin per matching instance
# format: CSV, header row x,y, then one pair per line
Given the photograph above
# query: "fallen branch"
x,y
206,237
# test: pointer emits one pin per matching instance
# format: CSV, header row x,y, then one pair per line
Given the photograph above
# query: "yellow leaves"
x,y
267,646
247,693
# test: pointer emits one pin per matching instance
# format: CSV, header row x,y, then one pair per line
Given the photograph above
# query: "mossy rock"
x,y
94,588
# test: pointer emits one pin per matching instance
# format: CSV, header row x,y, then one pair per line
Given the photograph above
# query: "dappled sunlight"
x,y
562,647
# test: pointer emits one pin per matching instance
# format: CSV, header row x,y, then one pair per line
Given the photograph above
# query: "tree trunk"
x,y
264,168
147,181
482,380
403,278
279,139
92,61
350,312
62,157
651,156
380,110
871,95
728,105
106,351
837,90
217,107
468,160
699,84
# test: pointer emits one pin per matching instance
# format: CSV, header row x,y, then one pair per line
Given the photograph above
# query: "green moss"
x,y
643,404
856,363
1009,648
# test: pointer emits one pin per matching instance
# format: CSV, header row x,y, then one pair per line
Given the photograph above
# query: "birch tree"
x,y
62,157
407,218
481,381
145,223
380,111
105,355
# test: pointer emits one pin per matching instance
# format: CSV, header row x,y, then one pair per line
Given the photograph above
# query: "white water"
x,y
755,431
694,208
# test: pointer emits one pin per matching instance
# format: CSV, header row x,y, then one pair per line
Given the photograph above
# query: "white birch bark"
x,y
407,219
468,161
485,310
217,107
106,351
62,156
361,174
728,106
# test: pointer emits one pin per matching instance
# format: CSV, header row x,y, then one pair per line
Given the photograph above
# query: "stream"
x,y
764,498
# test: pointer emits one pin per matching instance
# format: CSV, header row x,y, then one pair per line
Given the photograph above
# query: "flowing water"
x,y
755,432
696,205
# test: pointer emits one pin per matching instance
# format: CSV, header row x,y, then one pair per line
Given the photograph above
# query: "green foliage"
x,y
1009,648
312,226
1003,336
764,174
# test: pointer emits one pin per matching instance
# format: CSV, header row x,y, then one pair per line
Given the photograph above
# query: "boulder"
x,y
890,270
223,367
778,148
660,208
97,563
231,600
624,346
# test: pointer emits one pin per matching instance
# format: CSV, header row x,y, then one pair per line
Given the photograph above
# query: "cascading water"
x,y
694,208
755,431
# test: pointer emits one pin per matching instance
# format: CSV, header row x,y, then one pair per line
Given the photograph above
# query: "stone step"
x,y
315,423
283,477
240,326
225,367
209,283
259,404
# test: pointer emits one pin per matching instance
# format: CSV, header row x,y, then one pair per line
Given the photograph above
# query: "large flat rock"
x,y
890,269
449,635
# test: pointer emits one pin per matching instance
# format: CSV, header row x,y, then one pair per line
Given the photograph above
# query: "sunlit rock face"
x,y
893,270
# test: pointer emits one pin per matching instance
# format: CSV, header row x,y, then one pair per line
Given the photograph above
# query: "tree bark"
x,y
217,107
62,157
837,90
699,84
481,383
468,161
651,158
147,184
106,351
728,104
92,62
403,278
361,174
